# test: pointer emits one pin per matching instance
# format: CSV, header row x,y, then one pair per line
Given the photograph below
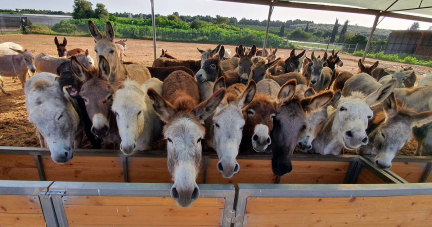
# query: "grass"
x,y
402,58
317,46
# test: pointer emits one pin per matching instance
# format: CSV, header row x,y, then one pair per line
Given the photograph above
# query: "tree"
x,y
282,30
343,31
299,34
197,24
221,19
233,20
307,28
318,33
82,9
415,26
176,13
360,39
334,32
100,12
173,18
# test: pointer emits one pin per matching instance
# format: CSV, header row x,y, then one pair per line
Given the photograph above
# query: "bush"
x,y
38,29
360,39
65,27
403,58
299,34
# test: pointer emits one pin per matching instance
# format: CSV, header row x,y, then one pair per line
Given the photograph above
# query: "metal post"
x,y
154,27
267,28
370,36
355,49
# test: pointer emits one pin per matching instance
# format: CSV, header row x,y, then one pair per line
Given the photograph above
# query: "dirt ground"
x,y
15,130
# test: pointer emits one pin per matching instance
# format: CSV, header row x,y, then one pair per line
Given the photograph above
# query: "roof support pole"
x,y
267,28
370,36
154,28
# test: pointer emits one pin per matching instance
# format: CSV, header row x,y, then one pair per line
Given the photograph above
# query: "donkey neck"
x,y
118,71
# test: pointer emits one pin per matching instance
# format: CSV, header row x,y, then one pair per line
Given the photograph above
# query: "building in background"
x,y
410,42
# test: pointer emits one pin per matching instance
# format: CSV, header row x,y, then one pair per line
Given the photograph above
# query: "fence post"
x,y
355,48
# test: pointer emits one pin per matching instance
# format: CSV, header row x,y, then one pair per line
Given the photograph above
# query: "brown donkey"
x,y
178,107
61,49
245,63
289,123
367,68
165,54
97,93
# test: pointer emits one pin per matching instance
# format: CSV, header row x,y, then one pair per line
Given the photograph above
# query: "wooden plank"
x,y
136,211
135,201
152,170
251,171
410,171
86,169
20,204
22,219
18,167
362,211
72,225
367,177
314,172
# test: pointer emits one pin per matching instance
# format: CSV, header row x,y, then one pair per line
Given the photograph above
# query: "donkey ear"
x,y
374,66
252,52
360,65
104,68
319,101
272,63
220,83
241,50
64,41
275,50
381,94
221,53
163,53
206,108
292,54
287,91
78,70
201,51
216,50
18,51
163,108
94,31
87,52
325,56
336,97
247,95
336,52
390,106
420,119
313,58
56,41
309,92
109,32
301,54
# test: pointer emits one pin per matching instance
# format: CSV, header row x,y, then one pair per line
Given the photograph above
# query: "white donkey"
x,y
17,65
57,123
137,121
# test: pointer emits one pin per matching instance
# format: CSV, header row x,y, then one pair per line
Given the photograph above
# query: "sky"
x,y
213,8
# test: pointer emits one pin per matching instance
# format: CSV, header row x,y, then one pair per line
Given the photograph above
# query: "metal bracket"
x,y
55,193
235,219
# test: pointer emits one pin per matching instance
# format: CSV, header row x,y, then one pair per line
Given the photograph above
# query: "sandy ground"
x,y
15,130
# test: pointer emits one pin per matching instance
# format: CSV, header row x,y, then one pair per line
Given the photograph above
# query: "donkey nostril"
x,y
66,154
313,82
236,168
255,137
174,193
309,147
300,145
365,140
349,134
268,140
105,128
219,166
195,193
134,146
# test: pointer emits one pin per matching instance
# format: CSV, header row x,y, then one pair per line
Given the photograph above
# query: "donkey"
x,y
121,48
346,126
314,120
105,46
163,72
293,63
17,65
47,63
260,52
404,78
7,48
61,49
259,116
320,75
213,69
283,78
245,64
333,60
138,124
289,122
54,117
368,69
97,93
165,54
270,57
178,107
209,51
340,78
259,70
225,130
389,130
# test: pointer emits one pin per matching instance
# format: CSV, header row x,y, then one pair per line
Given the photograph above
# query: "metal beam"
x,y
333,8
267,28
154,27
370,36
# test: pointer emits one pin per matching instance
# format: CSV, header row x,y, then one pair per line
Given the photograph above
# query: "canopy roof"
x,y
420,10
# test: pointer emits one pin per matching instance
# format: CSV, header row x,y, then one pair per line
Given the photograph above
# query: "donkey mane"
x,y
184,102
130,85
357,94
414,90
40,85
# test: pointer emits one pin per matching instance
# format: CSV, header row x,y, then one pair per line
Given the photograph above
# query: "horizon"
x,y
225,9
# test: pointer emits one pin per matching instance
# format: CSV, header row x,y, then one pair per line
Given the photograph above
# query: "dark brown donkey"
x,y
367,68
165,54
289,122
245,63
292,64
61,49
97,93
178,107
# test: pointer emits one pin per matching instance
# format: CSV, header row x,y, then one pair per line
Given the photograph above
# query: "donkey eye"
x,y
213,66
111,51
217,125
199,140
369,117
382,134
138,113
272,116
169,140
250,112
109,97
59,117
303,127
342,108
